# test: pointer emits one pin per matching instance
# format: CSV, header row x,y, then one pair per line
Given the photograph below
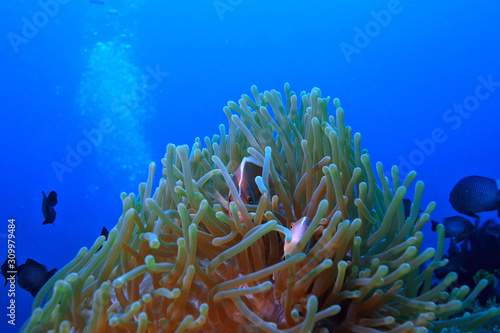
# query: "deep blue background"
x,y
395,90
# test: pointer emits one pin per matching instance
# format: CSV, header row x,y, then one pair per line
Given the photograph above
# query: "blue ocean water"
x,y
420,80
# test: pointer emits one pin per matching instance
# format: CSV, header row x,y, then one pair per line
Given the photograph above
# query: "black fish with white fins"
x,y
48,203
31,276
456,226
475,194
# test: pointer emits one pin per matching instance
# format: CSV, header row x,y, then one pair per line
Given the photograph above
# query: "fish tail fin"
x,y
52,199
51,273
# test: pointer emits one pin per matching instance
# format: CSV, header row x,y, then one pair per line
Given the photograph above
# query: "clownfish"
x,y
244,179
298,230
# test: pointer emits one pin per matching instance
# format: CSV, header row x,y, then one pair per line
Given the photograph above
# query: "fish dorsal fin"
x,y
252,159
52,200
33,263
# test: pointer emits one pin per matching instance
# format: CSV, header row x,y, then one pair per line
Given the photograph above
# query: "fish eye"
x,y
250,200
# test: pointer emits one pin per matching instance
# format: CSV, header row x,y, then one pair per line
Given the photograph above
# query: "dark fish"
x,y
105,233
6,269
407,207
48,203
461,263
475,194
456,226
488,240
31,276
244,179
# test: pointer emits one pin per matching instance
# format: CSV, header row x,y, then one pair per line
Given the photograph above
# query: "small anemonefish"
x,y
298,230
244,179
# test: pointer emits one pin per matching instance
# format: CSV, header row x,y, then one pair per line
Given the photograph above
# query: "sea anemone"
x,y
181,259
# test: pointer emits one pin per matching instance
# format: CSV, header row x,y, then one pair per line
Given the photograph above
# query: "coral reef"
x,y
181,259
